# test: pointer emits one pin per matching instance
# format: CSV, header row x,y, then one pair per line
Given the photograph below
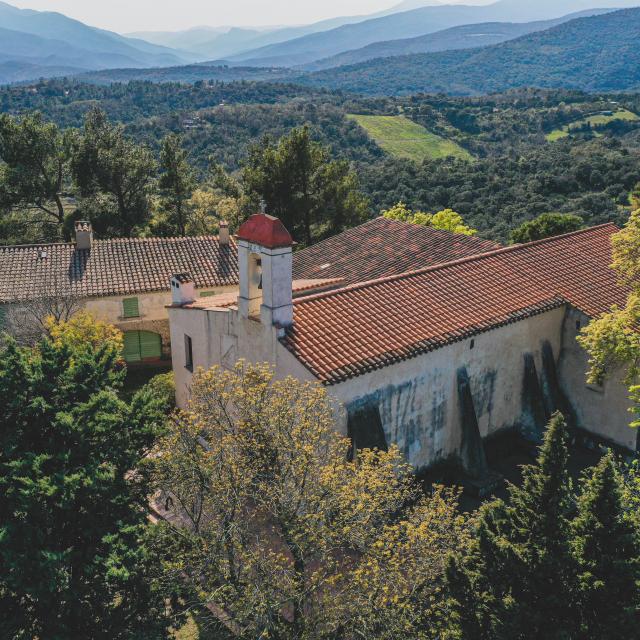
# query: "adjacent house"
x,y
125,282
436,358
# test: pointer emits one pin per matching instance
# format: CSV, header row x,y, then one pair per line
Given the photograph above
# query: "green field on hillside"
x,y
404,138
594,121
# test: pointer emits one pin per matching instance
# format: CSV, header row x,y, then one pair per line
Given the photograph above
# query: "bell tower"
x,y
265,261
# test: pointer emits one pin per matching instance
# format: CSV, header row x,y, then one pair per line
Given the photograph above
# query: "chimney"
x,y
84,234
182,289
223,235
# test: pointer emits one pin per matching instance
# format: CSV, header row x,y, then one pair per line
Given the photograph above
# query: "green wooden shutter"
x,y
132,346
130,308
150,345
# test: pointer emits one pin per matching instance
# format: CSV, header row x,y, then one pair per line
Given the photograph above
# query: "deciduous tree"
x,y
546,225
446,220
613,340
278,534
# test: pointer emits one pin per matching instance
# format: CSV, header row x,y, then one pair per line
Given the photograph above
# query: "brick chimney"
x,y
223,236
84,234
182,289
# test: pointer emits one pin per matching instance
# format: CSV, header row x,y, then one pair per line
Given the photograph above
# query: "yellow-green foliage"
x,y
613,340
285,535
446,220
594,121
84,329
404,138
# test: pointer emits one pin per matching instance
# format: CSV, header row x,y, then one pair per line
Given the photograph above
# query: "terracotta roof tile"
x,y
115,267
383,247
347,332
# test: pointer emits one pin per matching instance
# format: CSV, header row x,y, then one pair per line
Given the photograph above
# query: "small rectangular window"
x,y
130,308
188,352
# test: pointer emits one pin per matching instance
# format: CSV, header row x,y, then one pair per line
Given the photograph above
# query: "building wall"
x,y
153,312
418,398
603,410
221,337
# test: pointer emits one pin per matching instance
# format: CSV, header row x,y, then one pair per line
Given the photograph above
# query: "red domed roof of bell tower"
x,y
266,231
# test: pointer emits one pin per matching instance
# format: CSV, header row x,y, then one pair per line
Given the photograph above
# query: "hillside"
x,y
404,138
50,42
466,36
599,53
409,24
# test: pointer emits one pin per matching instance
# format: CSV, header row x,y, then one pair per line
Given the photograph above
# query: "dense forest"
x,y
594,54
517,172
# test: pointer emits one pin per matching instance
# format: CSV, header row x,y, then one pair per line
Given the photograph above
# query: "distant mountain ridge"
x,y
409,24
48,42
600,53
466,36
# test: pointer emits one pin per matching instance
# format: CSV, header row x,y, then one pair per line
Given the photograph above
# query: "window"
x,y
578,325
130,308
188,352
472,344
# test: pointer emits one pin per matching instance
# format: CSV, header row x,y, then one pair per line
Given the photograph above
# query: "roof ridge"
x,y
444,265
70,243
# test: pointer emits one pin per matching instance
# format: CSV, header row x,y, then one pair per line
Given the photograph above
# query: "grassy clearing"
x,y
404,138
594,121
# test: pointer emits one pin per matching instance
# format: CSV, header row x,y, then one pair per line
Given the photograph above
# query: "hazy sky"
x,y
135,15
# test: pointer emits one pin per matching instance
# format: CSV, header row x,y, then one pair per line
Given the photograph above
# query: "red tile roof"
x,y
115,267
347,332
383,247
265,230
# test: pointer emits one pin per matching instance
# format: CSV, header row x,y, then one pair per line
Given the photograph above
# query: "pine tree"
x,y
176,183
520,571
607,548
72,515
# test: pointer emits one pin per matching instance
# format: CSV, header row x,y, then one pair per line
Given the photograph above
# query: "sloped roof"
x,y
114,267
383,247
349,331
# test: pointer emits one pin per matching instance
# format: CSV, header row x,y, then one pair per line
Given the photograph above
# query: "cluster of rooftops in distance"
x,y
374,295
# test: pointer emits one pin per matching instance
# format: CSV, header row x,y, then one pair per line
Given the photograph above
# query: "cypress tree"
x,y
520,572
72,515
607,549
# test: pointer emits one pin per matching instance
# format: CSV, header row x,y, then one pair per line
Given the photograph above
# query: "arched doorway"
x,y
142,345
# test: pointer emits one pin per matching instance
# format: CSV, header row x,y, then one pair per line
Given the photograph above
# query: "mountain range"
x,y
49,42
600,53
417,45
466,36
411,24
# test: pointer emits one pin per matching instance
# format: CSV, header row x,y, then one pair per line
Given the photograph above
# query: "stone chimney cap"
x,y
83,225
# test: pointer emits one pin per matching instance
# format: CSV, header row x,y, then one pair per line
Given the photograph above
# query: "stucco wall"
x,y
221,337
604,410
153,312
417,398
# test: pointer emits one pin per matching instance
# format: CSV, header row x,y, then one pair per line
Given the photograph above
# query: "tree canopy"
x,y
73,516
279,534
